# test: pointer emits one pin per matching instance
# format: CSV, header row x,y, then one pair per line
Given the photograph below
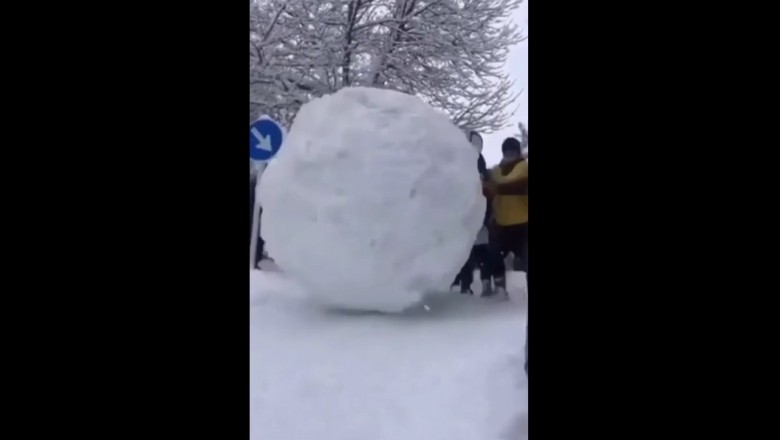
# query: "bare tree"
x,y
451,53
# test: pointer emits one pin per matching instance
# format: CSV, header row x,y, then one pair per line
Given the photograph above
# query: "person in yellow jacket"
x,y
509,230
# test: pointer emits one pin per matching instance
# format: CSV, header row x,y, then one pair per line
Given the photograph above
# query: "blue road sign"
x,y
265,139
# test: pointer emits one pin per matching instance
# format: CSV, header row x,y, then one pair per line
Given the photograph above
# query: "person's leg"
x,y
496,248
481,253
456,281
524,249
260,242
519,242
260,249
513,239
251,211
482,262
466,274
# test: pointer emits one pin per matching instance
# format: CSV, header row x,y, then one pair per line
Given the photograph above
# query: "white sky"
x,y
517,66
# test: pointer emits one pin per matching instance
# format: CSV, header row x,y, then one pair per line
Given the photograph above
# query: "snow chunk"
x,y
373,200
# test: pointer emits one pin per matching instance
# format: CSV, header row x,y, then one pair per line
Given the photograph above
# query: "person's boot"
x,y
501,287
465,288
487,288
455,286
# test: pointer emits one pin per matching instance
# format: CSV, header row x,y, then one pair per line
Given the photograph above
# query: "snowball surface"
x,y
373,200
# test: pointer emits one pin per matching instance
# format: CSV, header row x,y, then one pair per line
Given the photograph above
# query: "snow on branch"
x,y
450,53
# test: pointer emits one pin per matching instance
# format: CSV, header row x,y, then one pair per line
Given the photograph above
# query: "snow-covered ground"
x,y
449,370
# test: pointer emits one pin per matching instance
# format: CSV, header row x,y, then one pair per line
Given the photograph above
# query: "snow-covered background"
x,y
451,369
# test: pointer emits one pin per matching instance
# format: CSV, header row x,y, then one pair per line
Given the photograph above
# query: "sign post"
x,y
265,140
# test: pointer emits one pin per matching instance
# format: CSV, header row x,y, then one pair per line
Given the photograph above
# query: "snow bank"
x,y
373,200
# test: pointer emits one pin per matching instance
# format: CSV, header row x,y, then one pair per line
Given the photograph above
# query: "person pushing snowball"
x,y
478,257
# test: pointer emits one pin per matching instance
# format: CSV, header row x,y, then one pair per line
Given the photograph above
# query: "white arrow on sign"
x,y
264,142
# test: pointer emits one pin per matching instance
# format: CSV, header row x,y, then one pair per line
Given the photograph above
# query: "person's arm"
x,y
488,189
519,172
516,182
519,187
482,166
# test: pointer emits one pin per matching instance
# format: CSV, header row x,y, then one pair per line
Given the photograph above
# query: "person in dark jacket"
x,y
252,182
478,258
260,241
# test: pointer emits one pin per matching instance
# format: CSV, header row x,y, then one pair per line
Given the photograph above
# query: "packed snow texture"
x,y
451,369
373,200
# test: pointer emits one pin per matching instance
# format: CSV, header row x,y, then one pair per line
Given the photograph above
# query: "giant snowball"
x,y
373,201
